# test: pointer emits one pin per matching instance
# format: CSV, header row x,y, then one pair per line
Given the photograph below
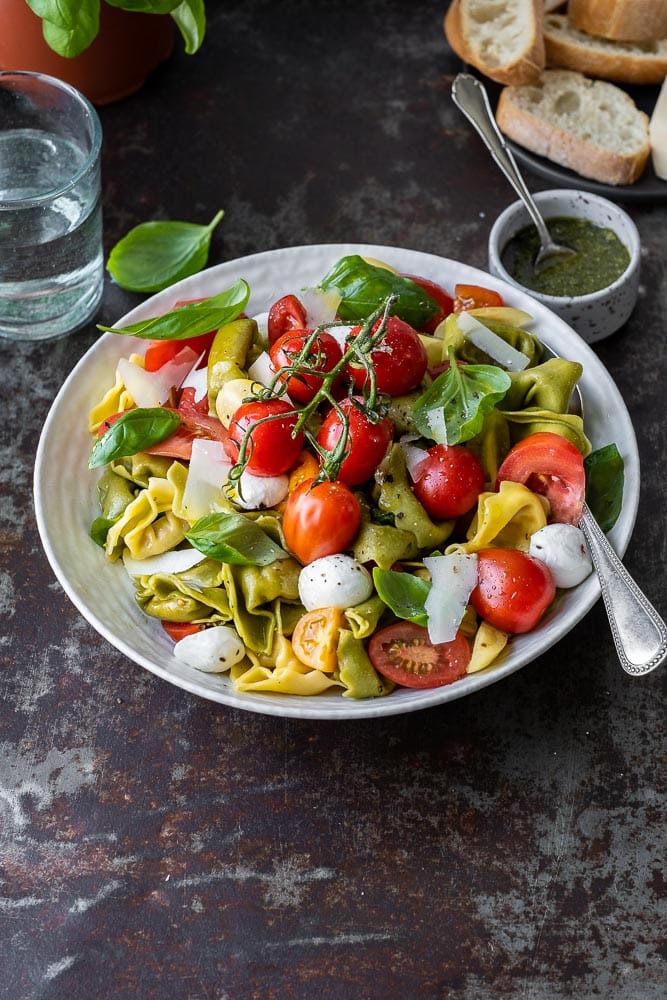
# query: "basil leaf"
x,y
403,593
100,528
605,477
190,18
69,26
191,320
135,431
364,287
454,406
154,255
145,6
235,539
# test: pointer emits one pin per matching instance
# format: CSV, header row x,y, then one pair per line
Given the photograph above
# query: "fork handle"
x,y
639,633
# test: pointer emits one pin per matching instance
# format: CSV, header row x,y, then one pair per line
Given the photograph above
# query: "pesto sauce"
x,y
600,258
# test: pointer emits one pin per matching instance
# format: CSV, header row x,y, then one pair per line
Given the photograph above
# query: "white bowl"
x,y
598,314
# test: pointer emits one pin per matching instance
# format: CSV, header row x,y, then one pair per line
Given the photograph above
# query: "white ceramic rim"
x,y
503,229
65,505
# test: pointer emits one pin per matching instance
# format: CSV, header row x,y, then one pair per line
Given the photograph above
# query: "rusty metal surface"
x,y
153,844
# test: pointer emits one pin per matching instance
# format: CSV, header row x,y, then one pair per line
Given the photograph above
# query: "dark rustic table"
x,y
154,844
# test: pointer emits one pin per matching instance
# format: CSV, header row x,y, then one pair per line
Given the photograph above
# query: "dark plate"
x,y
649,187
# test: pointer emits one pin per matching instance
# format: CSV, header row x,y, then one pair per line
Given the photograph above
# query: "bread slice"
x,y
622,20
658,134
501,38
622,62
589,126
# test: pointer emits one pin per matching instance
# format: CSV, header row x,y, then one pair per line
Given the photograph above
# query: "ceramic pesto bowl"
x,y
594,315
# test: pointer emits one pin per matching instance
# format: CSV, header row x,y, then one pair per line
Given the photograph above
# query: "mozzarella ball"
x,y
563,548
334,582
211,650
258,492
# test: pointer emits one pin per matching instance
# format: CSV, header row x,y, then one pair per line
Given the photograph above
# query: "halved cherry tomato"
x,y
403,653
285,314
552,466
315,638
323,355
399,360
273,445
439,295
320,520
513,589
367,441
179,630
474,297
450,480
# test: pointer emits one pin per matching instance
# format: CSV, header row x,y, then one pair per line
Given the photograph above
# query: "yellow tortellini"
x,y
505,519
148,526
117,399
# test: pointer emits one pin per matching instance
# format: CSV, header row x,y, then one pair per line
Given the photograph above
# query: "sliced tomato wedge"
x,y
404,654
552,466
179,630
474,297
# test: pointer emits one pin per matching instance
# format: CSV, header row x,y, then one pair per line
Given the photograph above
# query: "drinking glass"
x,y
51,259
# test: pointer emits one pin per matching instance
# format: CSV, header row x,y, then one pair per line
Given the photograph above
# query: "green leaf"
x,y
69,26
145,6
135,431
605,477
99,530
190,17
364,287
454,406
154,255
235,539
403,593
191,320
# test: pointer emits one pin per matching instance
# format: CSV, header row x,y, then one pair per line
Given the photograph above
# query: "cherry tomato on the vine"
x,y
403,653
320,520
474,297
451,478
399,360
273,446
367,441
285,314
549,464
439,295
323,355
513,589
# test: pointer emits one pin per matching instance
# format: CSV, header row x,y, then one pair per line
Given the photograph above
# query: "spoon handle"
x,y
471,98
640,634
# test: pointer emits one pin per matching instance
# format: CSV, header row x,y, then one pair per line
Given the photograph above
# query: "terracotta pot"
x,y
128,47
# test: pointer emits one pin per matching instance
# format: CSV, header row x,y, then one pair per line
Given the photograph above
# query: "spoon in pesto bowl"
x,y
471,98
638,631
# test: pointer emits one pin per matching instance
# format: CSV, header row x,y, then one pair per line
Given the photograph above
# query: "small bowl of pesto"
x,y
595,289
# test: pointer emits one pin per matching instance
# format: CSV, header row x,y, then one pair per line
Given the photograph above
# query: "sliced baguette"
x,y
501,38
589,126
622,62
621,20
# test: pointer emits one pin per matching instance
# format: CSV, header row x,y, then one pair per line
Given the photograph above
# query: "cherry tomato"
x,y
439,295
513,589
159,352
474,297
315,638
323,355
179,630
367,442
552,466
285,314
320,520
450,480
403,653
399,360
273,446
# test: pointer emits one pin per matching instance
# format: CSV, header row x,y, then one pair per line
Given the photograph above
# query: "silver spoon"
x,y
638,631
471,98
